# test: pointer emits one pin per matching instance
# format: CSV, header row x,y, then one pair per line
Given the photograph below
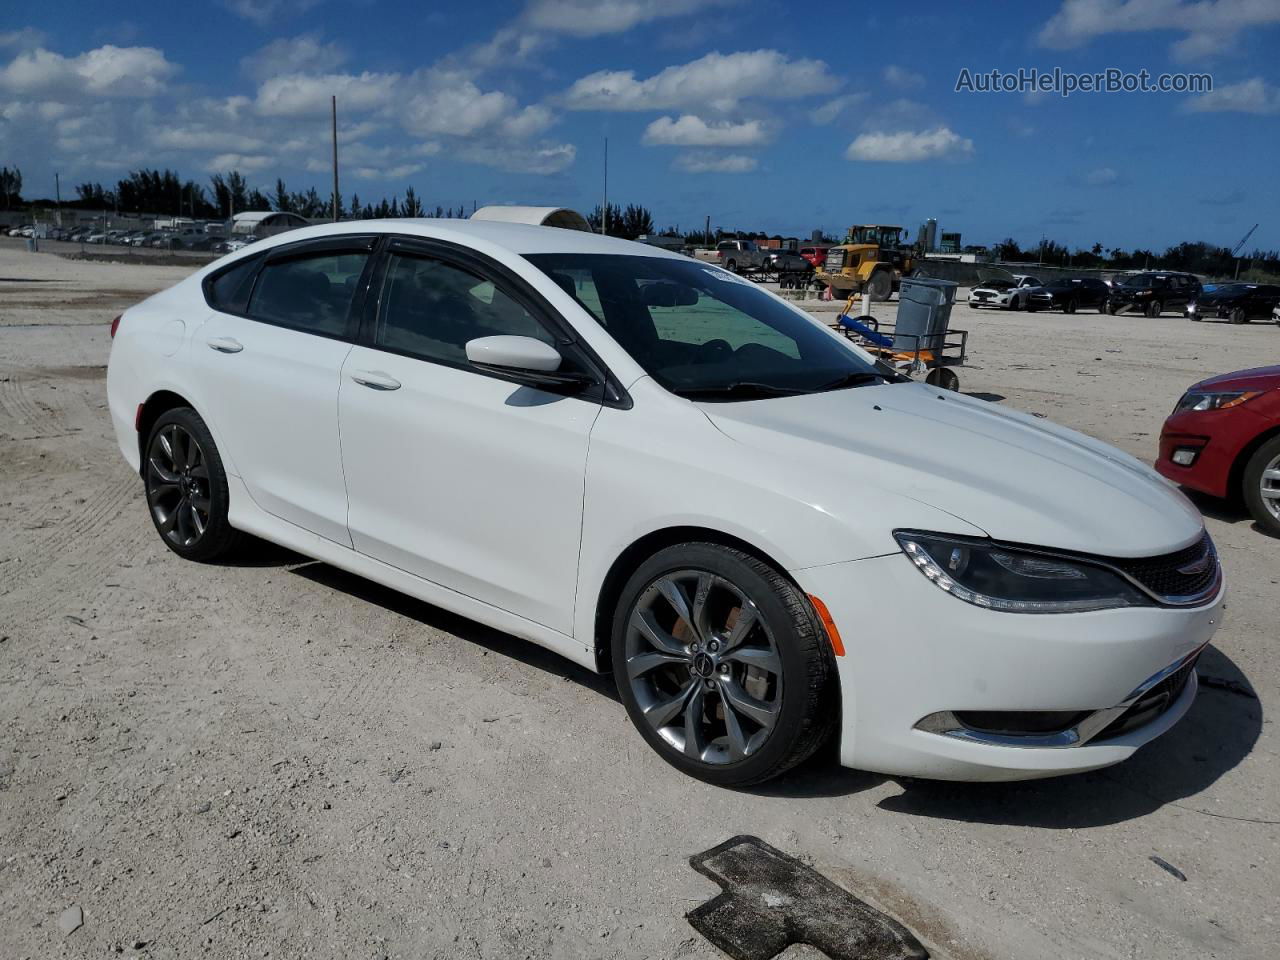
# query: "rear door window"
x,y
311,292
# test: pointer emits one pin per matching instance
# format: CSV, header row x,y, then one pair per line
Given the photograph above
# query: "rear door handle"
x,y
226,345
375,380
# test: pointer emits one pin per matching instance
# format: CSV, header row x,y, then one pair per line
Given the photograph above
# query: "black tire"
x,y
1110,309
804,703
1015,303
1267,455
1069,306
944,378
879,286
176,487
1154,309
1238,316
731,265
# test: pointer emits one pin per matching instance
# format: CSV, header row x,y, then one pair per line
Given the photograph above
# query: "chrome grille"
x,y
835,260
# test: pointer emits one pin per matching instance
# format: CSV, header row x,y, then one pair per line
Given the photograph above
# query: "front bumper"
x,y
914,652
1217,437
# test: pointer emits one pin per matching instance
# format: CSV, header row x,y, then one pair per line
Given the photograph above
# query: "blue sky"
x,y
746,110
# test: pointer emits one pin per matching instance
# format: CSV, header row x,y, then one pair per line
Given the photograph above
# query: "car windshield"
x,y
707,334
1138,280
1232,289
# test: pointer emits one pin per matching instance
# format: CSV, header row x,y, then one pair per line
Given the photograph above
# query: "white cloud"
x,y
902,78
515,158
692,131
1211,26
389,173
714,163
108,71
263,12
450,104
301,54
828,112
908,147
1251,96
590,18
245,163
507,47
1102,177
302,94
719,80
23,39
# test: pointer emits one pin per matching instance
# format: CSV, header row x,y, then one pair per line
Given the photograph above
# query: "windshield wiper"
x,y
738,390
858,378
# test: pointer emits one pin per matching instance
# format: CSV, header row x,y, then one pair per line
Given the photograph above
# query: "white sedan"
x,y
659,470
1008,291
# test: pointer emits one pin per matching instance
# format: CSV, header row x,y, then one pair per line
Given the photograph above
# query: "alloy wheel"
x,y
703,666
178,485
1270,487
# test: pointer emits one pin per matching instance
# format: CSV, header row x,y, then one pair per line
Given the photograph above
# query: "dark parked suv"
x,y
1069,294
1153,293
1238,302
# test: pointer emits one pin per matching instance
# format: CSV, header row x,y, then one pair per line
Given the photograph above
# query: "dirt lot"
x,y
278,759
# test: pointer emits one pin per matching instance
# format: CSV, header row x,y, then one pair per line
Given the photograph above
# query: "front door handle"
x,y
375,380
226,345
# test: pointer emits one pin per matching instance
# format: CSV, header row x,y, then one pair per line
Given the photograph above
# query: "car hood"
x,y
1017,478
1259,378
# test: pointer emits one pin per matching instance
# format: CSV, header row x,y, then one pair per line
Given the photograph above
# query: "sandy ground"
x,y
278,759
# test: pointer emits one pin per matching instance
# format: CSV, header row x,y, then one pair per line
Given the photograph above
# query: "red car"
x,y
1223,439
815,255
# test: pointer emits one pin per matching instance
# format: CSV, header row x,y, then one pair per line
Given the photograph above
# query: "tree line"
x,y
1189,256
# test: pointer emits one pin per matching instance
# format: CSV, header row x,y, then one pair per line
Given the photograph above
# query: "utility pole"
x,y
57,189
604,210
334,103
709,243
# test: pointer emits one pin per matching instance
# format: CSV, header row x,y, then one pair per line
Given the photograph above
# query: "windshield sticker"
x,y
726,276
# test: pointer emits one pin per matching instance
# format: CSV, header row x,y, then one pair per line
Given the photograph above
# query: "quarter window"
x,y
310,293
229,290
431,309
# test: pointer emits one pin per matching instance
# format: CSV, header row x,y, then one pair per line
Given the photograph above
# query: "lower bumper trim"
x,y
1146,703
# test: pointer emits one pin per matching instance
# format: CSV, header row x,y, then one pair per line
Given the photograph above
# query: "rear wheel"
x,y
722,665
1110,308
731,265
1155,308
186,488
1015,303
1069,306
1238,316
1262,486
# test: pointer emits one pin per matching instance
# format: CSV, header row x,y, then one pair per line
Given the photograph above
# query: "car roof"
x,y
518,238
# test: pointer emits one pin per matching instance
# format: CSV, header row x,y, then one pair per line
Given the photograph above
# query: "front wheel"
x,y
1154,309
1262,486
722,664
879,286
1110,308
1238,316
1069,306
186,488
731,266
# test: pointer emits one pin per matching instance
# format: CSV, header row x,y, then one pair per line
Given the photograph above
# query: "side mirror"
x,y
526,360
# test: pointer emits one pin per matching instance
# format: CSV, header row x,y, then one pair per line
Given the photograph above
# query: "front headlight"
x,y
1016,580
1214,401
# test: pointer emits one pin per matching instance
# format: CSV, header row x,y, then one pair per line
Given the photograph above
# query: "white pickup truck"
x,y
740,256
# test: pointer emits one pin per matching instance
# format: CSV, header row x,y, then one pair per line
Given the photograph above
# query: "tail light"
x,y
115,325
